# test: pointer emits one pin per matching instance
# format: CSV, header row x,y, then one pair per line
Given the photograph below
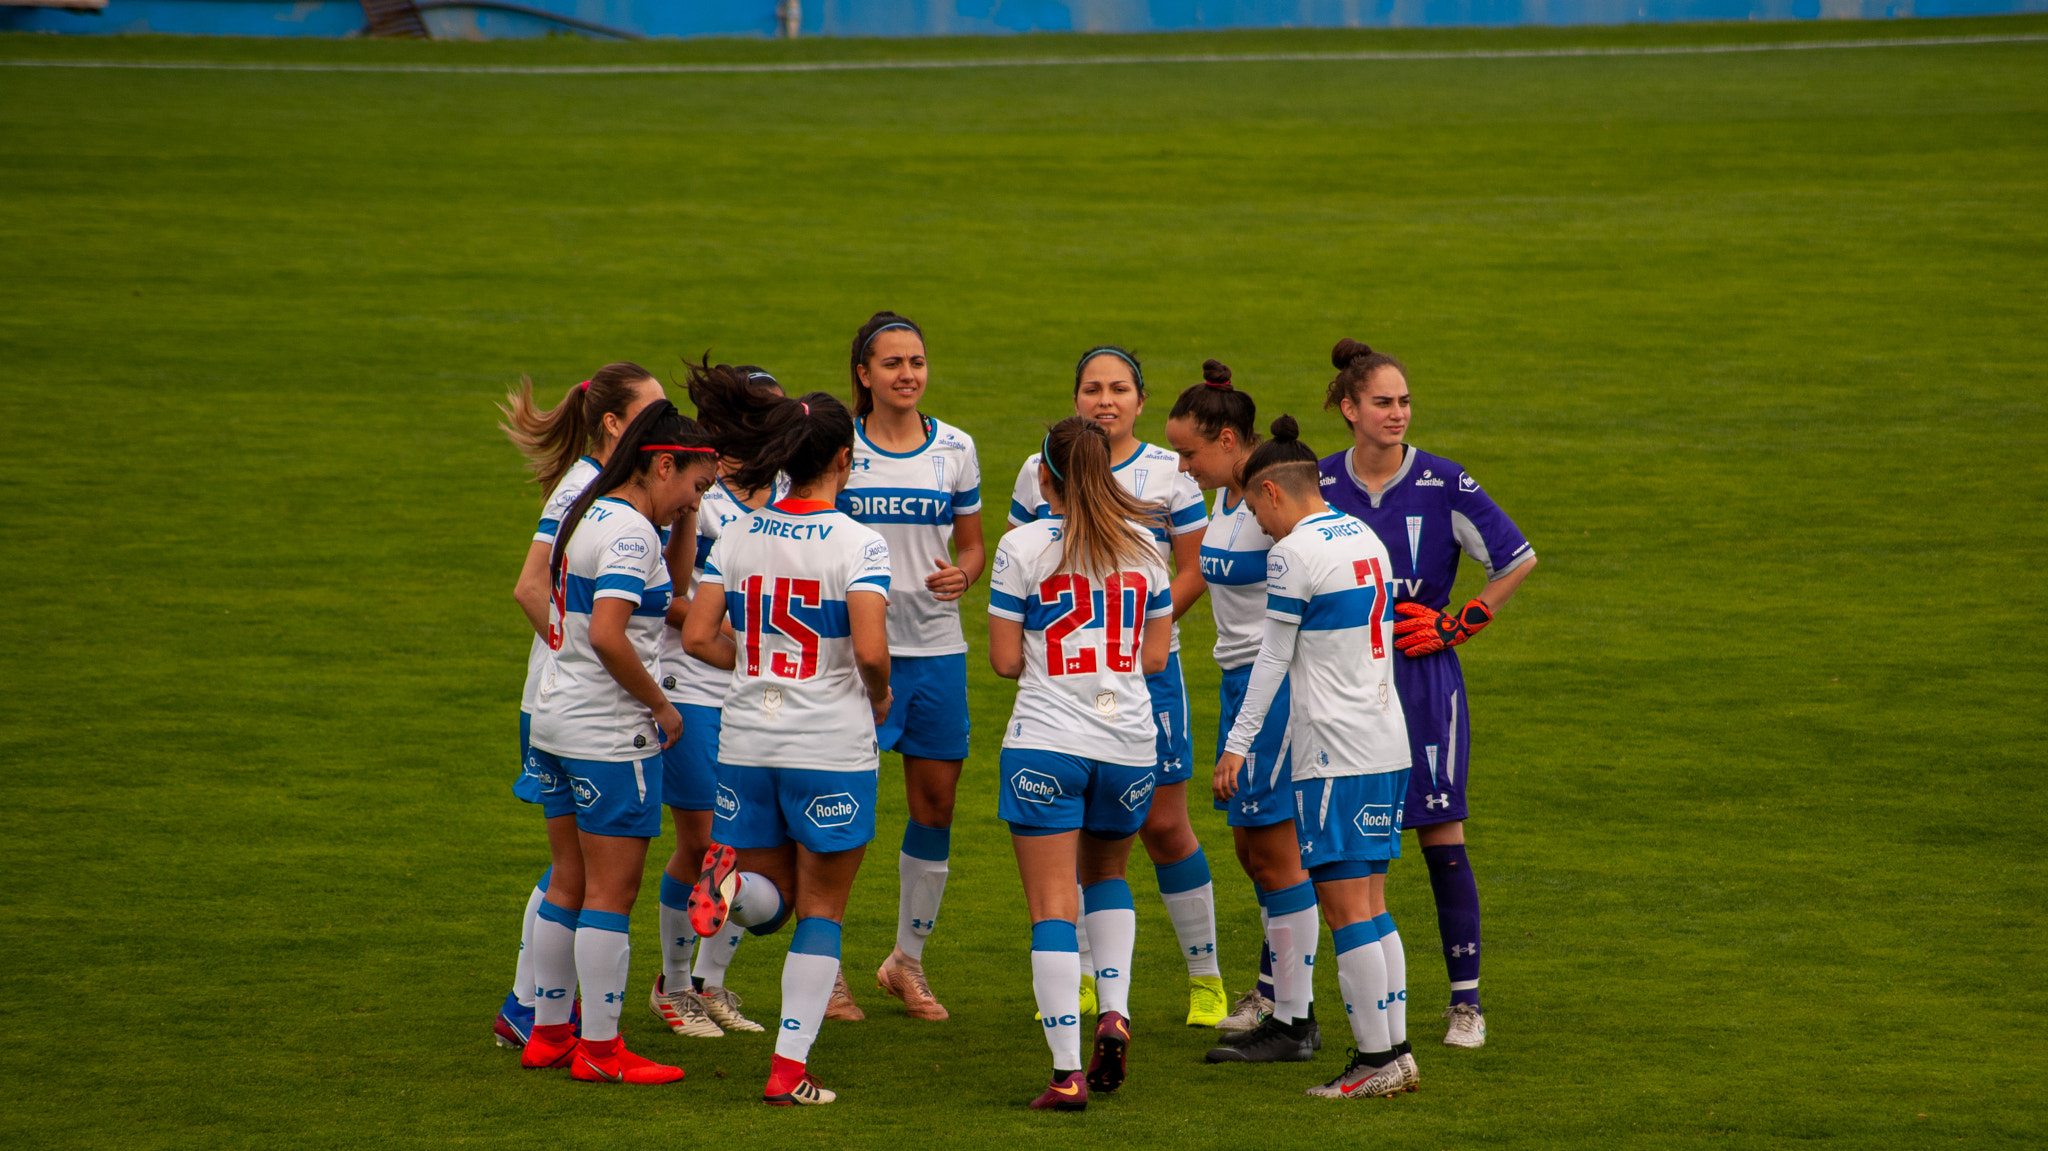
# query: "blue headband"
x,y
904,324
1106,350
1045,457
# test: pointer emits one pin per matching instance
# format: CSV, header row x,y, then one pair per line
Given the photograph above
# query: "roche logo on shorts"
x,y
542,775
835,810
728,802
1377,819
1034,786
586,792
1138,794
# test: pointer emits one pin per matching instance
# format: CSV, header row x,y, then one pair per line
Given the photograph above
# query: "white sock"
x,y
522,975
1191,903
756,901
1397,982
1292,935
921,885
714,956
603,953
1081,933
1056,984
1113,925
808,973
1362,977
554,965
678,938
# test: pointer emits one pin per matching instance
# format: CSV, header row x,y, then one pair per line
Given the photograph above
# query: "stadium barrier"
x,y
634,19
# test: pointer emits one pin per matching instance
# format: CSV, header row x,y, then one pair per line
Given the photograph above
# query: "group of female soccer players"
x,y
824,552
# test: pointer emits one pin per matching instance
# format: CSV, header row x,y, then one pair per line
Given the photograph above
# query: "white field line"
x,y
1028,61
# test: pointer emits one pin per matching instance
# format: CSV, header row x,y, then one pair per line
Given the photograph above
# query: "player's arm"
x,y
1158,645
704,635
1276,656
608,618
970,555
1188,584
1496,594
681,556
867,616
531,591
1006,646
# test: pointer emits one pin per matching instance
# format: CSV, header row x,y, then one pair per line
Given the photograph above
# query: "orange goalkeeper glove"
x,y
1427,630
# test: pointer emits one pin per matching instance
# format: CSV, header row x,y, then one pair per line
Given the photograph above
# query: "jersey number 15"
x,y
1123,625
804,592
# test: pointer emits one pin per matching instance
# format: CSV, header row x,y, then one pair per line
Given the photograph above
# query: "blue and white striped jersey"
x,y
1083,690
1234,562
582,712
1151,474
795,697
684,678
1329,576
556,506
911,499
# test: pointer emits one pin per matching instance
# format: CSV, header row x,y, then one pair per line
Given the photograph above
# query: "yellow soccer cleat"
x,y
1207,1004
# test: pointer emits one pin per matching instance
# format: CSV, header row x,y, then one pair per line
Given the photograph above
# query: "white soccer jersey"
x,y
582,712
685,678
1234,562
566,490
1083,689
911,499
1330,576
1151,474
795,697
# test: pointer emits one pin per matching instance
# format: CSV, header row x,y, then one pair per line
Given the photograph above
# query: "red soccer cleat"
x,y
1067,1092
789,1085
711,898
610,1062
1112,1050
548,1046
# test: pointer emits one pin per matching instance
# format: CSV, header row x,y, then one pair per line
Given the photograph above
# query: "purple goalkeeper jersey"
x,y
1428,515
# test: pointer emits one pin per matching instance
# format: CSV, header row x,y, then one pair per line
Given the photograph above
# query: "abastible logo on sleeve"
x,y
728,802
586,792
1034,786
835,810
1138,794
1377,819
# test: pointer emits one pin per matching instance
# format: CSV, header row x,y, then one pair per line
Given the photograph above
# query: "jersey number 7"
x,y
1123,608
1368,571
803,592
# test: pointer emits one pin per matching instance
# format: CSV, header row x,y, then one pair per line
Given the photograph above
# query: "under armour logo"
x,y
1437,801
1458,950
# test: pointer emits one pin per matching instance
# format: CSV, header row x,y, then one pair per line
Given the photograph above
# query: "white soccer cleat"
x,y
1468,1026
683,1011
1250,1010
1411,1076
1360,1081
724,1009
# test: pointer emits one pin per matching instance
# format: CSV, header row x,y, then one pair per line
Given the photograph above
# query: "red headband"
x,y
672,448
1224,384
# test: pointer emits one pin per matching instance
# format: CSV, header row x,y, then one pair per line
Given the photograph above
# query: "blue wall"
x,y
963,17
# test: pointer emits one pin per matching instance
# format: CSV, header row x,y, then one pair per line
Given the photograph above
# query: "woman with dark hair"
x,y
598,727
564,447
1327,636
1212,427
1109,392
1079,615
1434,506
917,482
807,592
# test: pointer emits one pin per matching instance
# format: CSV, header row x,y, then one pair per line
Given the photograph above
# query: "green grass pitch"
x,y
1750,345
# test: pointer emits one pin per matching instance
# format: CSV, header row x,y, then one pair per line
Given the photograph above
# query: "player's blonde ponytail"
x,y
1107,529
552,438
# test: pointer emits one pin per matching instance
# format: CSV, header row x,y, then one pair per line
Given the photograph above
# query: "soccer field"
x,y
1750,345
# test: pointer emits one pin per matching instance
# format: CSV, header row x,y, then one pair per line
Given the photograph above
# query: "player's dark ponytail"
x,y
1215,404
659,430
1355,364
1295,461
551,439
766,431
863,345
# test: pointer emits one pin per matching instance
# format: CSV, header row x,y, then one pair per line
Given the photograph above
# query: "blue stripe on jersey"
x,y
880,581
1038,616
1189,514
549,526
704,544
897,505
1005,601
829,620
581,593
971,498
1286,605
1233,569
1025,515
1334,611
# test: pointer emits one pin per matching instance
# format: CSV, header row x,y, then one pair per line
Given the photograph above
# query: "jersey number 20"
x,y
1123,625
804,592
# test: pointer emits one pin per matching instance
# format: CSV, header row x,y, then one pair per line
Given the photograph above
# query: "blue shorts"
x,y
622,799
824,811
1170,723
1048,791
1265,784
1352,817
529,785
1433,701
928,709
689,767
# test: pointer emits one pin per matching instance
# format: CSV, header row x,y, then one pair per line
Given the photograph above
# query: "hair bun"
x,y
1216,373
1286,429
1347,350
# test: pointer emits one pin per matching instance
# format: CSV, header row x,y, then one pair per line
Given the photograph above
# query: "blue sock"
x,y
1457,917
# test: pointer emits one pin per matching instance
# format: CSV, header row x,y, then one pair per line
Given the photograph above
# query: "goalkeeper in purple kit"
x,y
1429,512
